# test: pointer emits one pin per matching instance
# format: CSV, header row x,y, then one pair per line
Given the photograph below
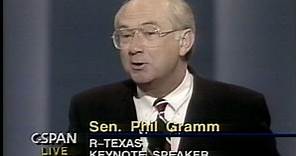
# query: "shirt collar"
x,y
174,98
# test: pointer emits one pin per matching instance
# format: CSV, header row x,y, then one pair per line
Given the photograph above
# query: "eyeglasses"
x,y
150,34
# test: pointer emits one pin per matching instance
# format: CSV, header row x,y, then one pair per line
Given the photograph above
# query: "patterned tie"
x,y
159,143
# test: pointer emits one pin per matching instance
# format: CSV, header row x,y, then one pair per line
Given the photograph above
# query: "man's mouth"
x,y
137,65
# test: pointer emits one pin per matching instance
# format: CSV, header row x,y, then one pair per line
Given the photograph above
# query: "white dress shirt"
x,y
175,111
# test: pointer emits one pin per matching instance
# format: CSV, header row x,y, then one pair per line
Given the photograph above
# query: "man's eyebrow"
x,y
123,26
150,22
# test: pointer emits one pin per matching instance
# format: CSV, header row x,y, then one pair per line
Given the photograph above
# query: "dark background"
x,y
54,49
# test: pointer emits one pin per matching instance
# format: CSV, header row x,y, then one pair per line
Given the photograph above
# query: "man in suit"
x,y
155,40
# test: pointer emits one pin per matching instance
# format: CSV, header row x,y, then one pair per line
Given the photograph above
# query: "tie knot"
x,y
160,104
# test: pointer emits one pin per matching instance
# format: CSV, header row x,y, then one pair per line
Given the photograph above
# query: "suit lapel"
x,y
128,102
196,109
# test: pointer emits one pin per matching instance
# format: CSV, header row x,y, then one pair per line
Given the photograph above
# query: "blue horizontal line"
x,y
190,134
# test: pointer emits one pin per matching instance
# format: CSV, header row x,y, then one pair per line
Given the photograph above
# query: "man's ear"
x,y
186,41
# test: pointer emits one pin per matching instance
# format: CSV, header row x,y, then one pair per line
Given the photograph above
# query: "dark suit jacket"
x,y
236,109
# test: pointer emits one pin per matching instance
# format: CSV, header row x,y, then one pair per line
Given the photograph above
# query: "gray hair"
x,y
182,17
182,14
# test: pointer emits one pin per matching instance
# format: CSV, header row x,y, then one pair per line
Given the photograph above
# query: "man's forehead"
x,y
147,3
140,13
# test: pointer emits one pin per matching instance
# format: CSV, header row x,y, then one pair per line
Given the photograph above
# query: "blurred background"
x,y
54,49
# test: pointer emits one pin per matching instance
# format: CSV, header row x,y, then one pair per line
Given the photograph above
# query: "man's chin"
x,y
141,80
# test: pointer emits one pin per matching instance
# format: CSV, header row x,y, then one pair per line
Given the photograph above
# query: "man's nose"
x,y
136,44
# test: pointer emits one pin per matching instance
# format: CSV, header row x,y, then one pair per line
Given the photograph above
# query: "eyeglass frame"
x,y
140,29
